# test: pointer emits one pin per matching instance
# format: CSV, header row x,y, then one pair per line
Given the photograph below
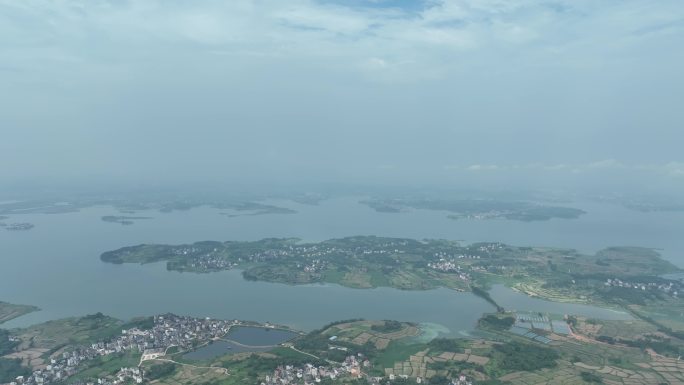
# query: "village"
x,y
352,367
672,288
168,330
310,374
187,333
220,257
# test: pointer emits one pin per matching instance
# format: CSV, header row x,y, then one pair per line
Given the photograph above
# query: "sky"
x,y
484,92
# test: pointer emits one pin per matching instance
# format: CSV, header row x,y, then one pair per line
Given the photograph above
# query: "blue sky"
x,y
346,90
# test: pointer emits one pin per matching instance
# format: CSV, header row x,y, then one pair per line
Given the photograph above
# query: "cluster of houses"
x,y
672,288
462,379
314,266
211,262
311,258
123,376
168,330
322,250
212,257
471,253
449,266
308,374
305,251
490,247
352,368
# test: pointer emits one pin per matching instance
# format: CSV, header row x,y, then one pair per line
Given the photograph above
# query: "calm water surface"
x,y
218,349
56,265
254,336
242,339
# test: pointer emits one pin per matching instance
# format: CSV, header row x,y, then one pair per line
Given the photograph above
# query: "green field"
x,y
69,331
397,351
106,366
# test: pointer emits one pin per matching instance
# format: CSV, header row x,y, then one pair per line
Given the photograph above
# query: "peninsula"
x,y
9,311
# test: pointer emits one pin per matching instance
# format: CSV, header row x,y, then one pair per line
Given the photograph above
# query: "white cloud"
x,y
606,163
508,85
431,37
484,167
375,63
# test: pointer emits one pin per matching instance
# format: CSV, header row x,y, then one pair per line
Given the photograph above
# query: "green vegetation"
x,y
494,322
11,369
388,327
397,351
591,378
75,331
258,364
157,371
515,356
446,345
142,323
360,262
6,346
105,366
366,262
390,347
661,345
561,275
10,311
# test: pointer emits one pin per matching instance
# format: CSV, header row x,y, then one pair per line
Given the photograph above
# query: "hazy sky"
x,y
374,90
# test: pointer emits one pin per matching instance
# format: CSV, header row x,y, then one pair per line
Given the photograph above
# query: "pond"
x,y
259,336
242,339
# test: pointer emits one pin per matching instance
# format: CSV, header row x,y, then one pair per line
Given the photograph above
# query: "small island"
x,y
252,209
19,226
123,220
480,209
130,205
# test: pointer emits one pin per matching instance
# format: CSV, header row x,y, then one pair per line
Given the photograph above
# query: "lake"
x,y
56,265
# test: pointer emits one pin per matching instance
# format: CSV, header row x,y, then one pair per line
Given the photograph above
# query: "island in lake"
x,y
123,220
477,208
129,204
629,278
251,208
18,226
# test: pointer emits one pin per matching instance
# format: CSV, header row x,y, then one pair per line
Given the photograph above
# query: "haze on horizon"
x,y
490,93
